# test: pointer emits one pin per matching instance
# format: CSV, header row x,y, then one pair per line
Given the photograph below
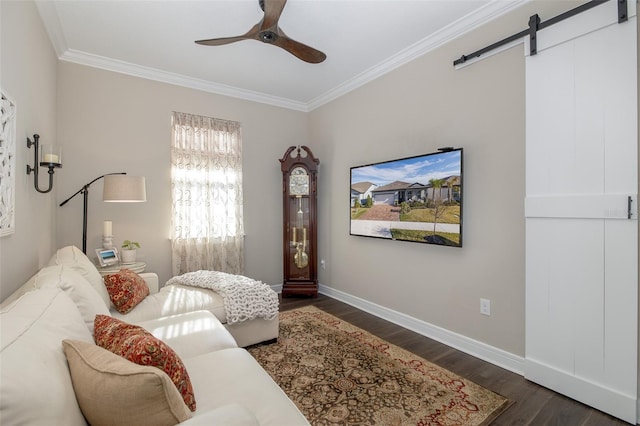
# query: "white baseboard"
x,y
472,347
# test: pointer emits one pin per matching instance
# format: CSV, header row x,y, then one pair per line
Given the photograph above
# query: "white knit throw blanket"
x,y
244,298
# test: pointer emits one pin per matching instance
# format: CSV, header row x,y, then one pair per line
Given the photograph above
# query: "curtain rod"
x,y
535,25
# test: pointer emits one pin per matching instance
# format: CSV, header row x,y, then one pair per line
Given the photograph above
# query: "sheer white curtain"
x,y
206,185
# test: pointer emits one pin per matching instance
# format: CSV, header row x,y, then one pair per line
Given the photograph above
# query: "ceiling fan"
x,y
268,31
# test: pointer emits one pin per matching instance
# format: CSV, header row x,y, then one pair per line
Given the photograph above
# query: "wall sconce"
x,y
50,157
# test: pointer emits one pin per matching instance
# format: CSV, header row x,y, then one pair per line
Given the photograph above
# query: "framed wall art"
x,y
7,164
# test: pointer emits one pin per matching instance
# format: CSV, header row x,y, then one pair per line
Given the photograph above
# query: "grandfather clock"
x,y
300,236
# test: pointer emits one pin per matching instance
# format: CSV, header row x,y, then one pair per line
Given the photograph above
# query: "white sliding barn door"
x,y
581,248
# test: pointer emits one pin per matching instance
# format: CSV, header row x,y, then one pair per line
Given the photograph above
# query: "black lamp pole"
x,y
85,193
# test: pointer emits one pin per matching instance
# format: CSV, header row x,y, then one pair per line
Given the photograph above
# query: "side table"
x,y
136,267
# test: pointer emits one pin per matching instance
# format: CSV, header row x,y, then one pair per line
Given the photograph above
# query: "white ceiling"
x,y
362,39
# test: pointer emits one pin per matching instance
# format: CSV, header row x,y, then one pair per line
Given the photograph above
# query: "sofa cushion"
x,y
232,376
191,334
176,299
112,390
228,415
67,279
73,257
35,385
126,289
138,345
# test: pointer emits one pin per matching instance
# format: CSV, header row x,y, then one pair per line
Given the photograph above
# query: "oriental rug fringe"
x,y
339,374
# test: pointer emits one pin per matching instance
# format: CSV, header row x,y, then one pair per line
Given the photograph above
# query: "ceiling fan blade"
x,y
299,50
252,34
272,11
221,41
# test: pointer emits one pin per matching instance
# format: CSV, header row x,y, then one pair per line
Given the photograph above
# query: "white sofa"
x,y
169,300
39,385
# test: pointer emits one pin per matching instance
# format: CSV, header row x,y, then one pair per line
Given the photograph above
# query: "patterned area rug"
x,y
337,373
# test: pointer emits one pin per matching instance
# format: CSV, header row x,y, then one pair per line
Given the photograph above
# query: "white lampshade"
x,y
124,189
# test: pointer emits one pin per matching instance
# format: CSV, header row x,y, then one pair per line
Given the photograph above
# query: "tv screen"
x,y
415,199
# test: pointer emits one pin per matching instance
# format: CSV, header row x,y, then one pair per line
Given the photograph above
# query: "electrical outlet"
x,y
485,306
322,263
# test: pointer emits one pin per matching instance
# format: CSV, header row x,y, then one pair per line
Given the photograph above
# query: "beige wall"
x,y
28,75
111,122
414,110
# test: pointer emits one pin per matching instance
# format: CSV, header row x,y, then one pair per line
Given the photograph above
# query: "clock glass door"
x,y
299,237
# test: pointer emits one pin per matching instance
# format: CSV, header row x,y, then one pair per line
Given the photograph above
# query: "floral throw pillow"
x,y
126,289
136,344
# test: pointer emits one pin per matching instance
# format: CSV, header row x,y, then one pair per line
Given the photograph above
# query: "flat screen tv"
x,y
415,199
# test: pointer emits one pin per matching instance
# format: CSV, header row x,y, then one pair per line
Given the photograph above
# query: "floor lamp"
x,y
118,187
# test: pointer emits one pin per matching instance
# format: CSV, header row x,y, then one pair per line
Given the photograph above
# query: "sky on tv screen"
x,y
416,169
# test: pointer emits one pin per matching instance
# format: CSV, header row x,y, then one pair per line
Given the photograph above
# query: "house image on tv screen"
x,y
362,191
398,192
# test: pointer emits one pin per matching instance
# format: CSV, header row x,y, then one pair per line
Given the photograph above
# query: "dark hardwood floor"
x,y
532,404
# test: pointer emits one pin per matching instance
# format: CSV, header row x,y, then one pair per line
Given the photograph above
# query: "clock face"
x,y
299,182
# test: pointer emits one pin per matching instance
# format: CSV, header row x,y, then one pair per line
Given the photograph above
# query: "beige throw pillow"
x,y
113,391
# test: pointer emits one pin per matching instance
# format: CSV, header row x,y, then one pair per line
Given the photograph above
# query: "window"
x,y
206,185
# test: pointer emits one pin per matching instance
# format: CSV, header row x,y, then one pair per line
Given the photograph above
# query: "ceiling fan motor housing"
x,y
268,36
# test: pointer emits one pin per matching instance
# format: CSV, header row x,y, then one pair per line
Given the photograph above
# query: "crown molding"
x,y
148,73
49,16
445,35
487,13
